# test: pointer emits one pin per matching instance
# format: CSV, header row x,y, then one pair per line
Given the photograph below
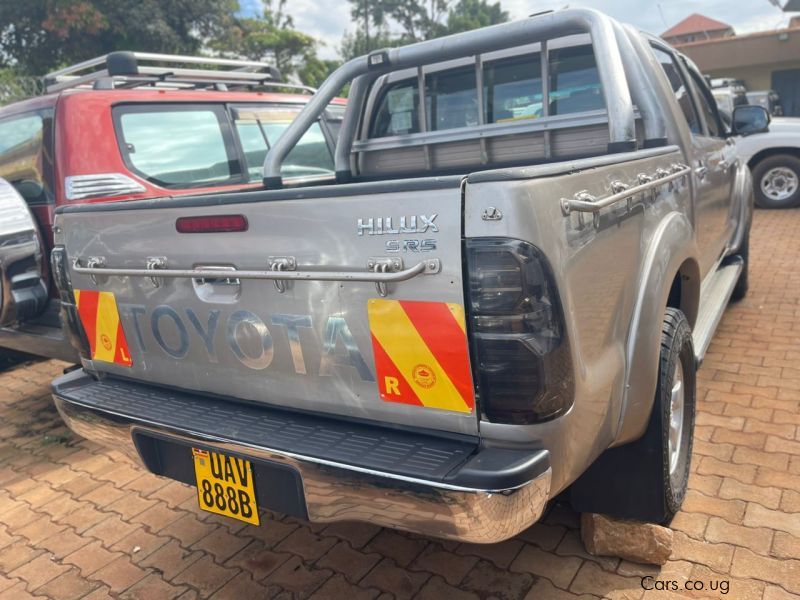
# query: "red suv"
x,y
132,126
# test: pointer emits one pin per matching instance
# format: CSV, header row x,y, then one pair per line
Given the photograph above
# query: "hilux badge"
x,y
385,225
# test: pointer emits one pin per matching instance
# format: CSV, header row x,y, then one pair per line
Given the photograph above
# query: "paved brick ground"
x,y
78,521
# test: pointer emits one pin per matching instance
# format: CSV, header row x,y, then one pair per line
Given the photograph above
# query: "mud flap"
x,y
627,481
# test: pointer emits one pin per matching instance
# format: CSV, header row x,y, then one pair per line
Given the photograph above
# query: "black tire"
x,y
740,291
763,168
676,349
634,481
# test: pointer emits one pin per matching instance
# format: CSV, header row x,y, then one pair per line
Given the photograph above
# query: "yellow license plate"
x,y
225,485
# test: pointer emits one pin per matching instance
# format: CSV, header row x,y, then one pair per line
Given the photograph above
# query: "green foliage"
x,y
357,44
472,14
314,70
272,38
37,36
15,87
417,20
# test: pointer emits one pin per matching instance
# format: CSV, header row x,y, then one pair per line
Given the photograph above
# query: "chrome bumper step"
x,y
441,485
714,296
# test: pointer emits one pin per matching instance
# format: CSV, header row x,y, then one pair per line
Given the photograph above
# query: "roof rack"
x,y
139,69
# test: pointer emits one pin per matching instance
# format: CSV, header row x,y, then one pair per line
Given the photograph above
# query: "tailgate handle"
x,y
281,263
384,265
379,271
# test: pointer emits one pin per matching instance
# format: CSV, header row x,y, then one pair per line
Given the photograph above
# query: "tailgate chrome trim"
x,y
94,268
335,491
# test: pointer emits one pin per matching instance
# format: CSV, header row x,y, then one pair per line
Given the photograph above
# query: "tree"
x,y
472,14
315,70
272,38
417,20
356,44
371,30
37,36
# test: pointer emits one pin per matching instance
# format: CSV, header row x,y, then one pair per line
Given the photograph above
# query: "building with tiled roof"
x,y
697,27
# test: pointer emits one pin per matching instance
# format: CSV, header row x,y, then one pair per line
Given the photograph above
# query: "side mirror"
x,y
750,119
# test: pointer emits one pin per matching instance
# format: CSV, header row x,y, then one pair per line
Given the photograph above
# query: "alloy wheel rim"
x,y
779,183
676,414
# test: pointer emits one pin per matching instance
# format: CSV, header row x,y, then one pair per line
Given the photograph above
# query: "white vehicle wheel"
x,y
777,182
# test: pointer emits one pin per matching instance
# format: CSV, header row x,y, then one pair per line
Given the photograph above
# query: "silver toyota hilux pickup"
x,y
501,297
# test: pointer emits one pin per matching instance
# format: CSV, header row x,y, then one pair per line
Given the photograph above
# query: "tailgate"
x,y
327,339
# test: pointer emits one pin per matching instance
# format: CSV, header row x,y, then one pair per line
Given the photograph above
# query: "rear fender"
x,y
672,250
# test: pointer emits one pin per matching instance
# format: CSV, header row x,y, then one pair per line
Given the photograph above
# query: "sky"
x,y
327,20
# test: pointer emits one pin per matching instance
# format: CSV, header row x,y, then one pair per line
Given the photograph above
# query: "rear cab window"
x,y
182,146
258,127
512,90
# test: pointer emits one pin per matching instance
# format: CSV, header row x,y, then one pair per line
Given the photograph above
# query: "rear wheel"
x,y
777,182
675,401
647,479
740,291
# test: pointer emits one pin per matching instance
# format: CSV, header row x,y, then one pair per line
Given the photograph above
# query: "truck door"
x,y
711,160
718,219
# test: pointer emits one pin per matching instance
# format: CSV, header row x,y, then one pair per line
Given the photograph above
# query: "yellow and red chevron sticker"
x,y
100,319
421,353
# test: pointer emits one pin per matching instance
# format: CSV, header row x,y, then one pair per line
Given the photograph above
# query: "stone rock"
x,y
632,540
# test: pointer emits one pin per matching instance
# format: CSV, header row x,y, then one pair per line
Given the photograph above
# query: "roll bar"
x,y
610,66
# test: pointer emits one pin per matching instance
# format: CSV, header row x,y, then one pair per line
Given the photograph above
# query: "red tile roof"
x,y
695,23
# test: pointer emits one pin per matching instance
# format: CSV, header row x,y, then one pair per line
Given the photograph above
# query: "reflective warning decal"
x,y
100,319
421,354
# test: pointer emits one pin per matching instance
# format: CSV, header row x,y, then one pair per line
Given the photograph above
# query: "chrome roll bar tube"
x,y
621,118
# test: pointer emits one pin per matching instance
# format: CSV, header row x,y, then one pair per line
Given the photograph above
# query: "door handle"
x,y
701,171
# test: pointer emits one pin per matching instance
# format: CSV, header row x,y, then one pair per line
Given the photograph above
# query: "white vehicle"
x,y
774,159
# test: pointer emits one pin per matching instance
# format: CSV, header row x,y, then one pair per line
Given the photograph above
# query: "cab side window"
x,y
679,87
180,146
707,106
25,157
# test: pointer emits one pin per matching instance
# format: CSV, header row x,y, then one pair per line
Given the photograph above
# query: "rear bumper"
x,y
414,481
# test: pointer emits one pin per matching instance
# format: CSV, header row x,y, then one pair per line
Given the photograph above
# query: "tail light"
x,y
523,361
211,224
69,309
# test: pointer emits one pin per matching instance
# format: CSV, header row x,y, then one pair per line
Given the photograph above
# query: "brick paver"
x,y
80,521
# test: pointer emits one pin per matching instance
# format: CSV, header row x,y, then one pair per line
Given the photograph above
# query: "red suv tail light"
x,y
523,359
80,187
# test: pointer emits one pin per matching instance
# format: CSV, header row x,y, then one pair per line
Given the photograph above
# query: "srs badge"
x,y
421,354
